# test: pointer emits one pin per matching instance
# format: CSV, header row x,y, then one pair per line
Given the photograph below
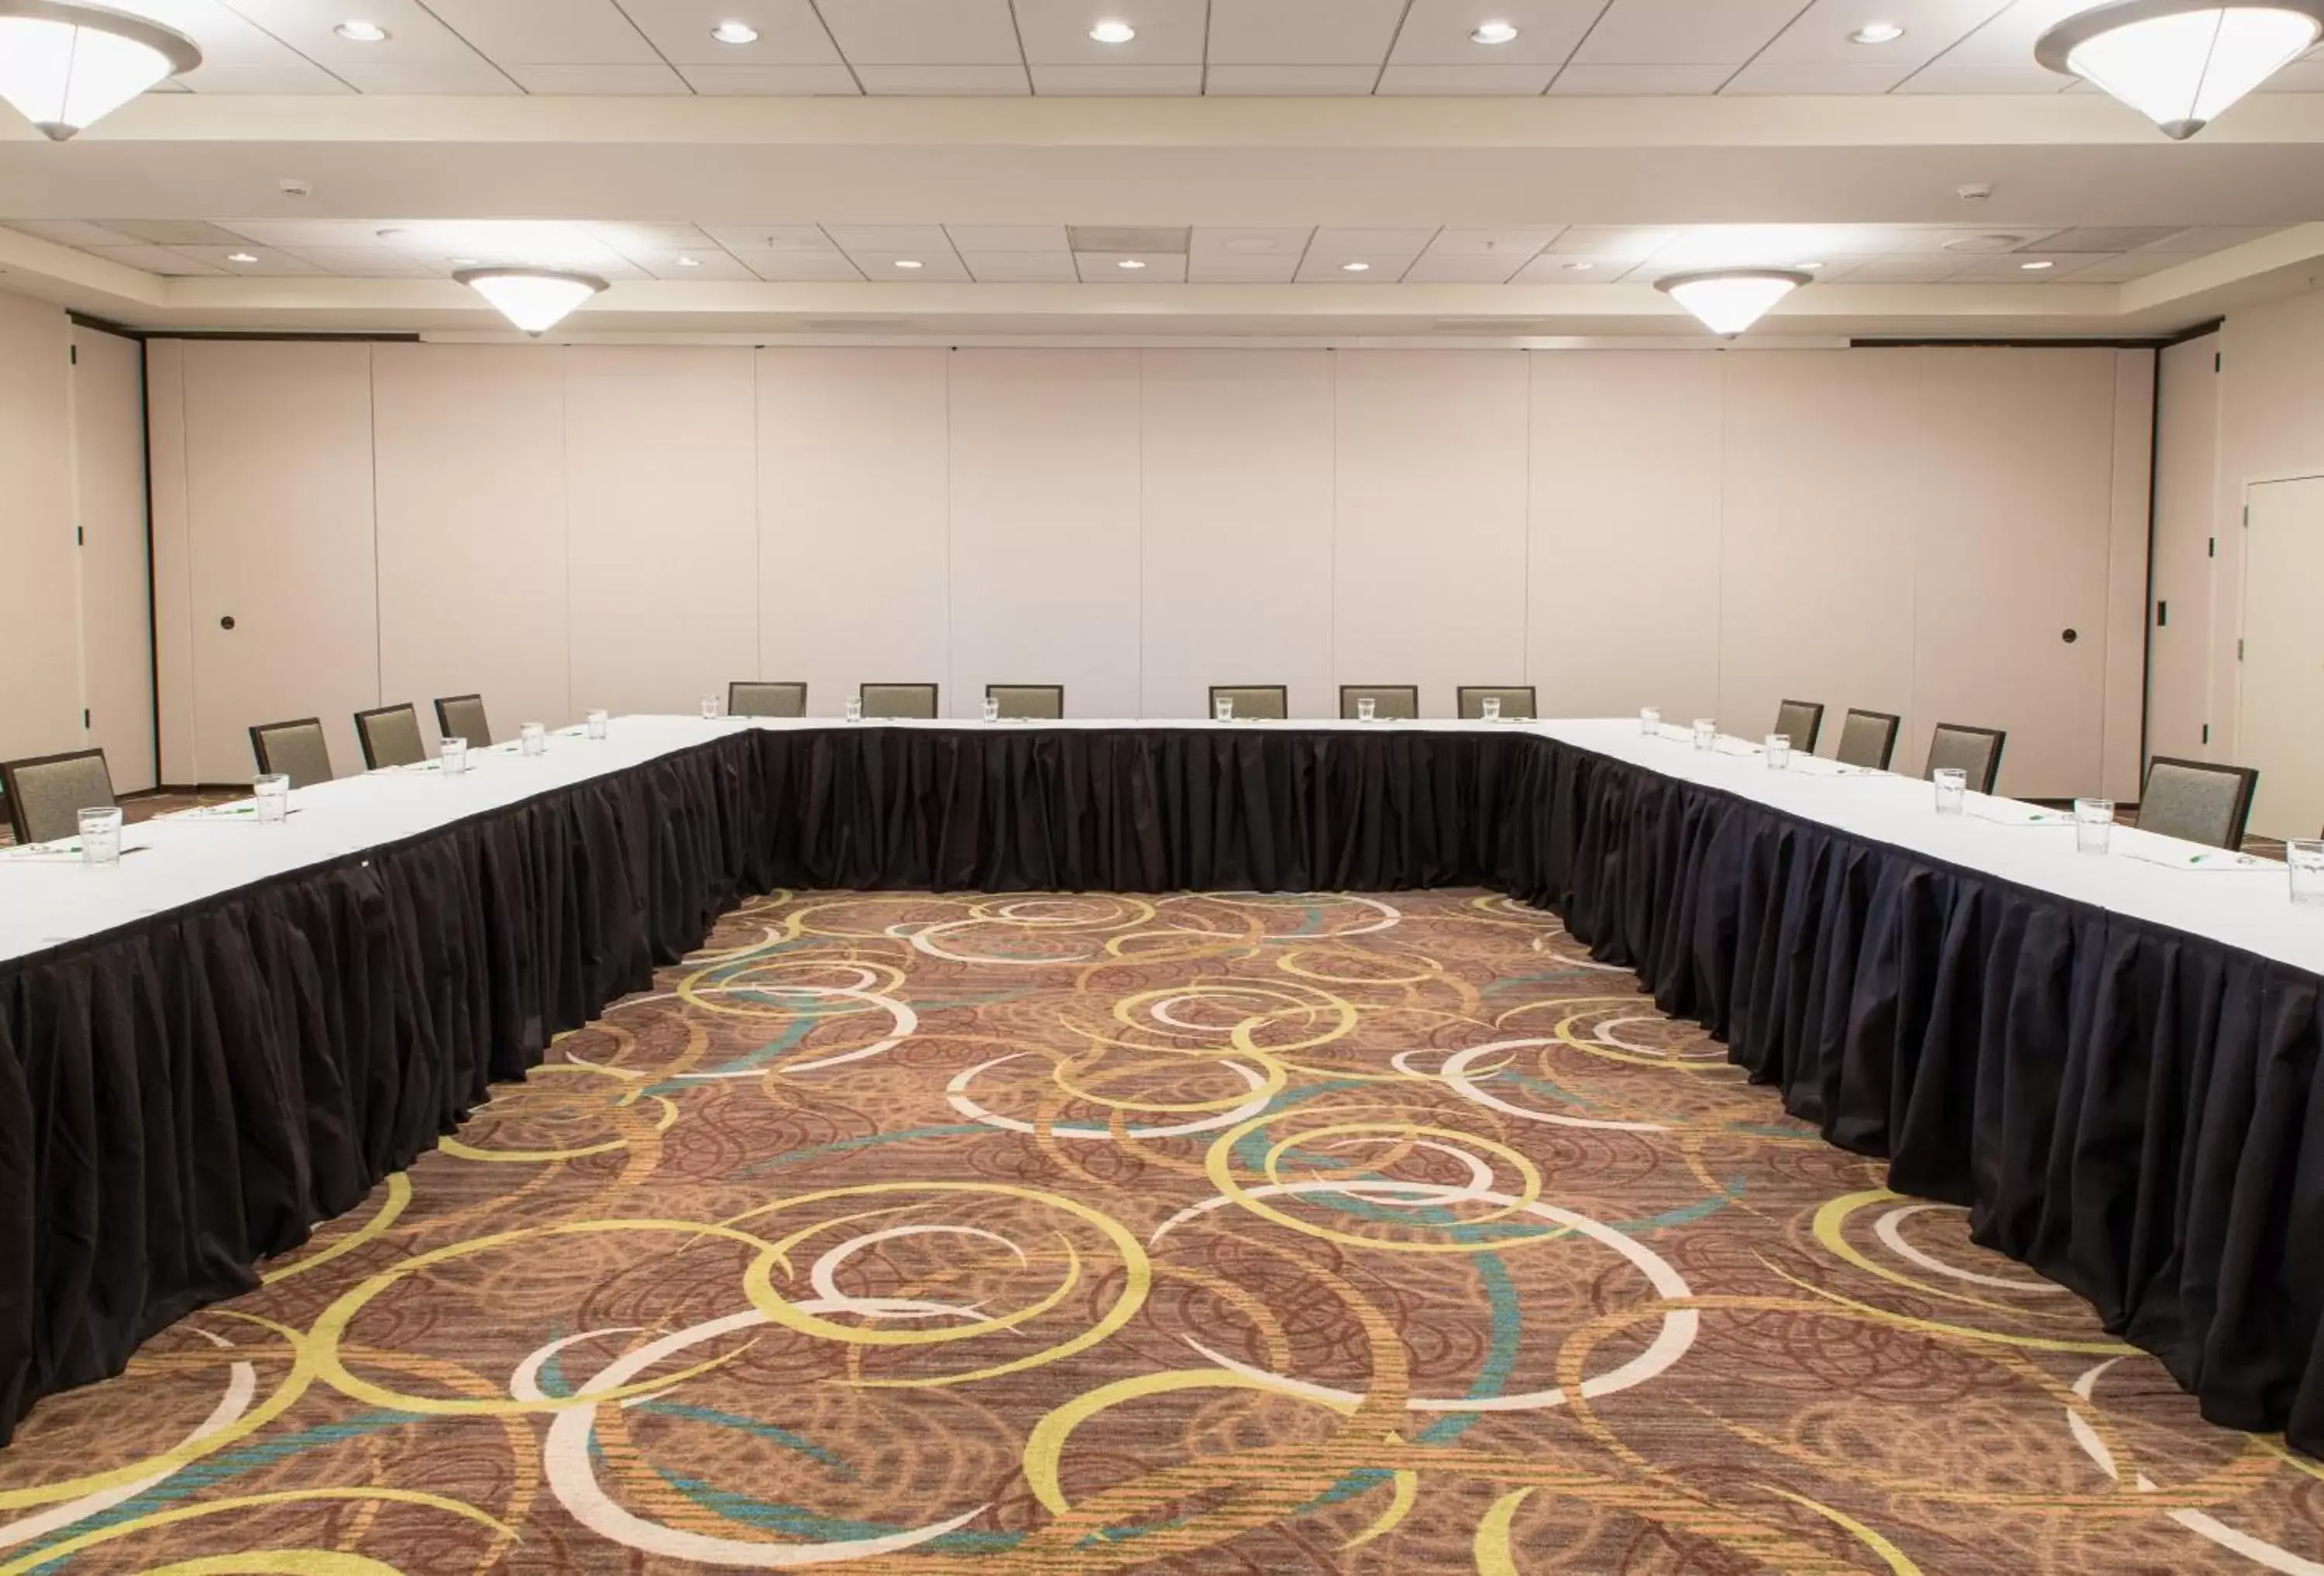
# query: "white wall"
x,y
564,527
74,639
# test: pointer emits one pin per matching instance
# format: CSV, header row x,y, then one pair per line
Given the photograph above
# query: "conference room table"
x,y
239,1031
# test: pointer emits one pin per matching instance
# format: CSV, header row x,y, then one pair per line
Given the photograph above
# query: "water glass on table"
x,y
709,706
854,710
1779,751
1952,789
1367,709
992,709
100,836
1650,720
1706,733
2093,826
272,793
455,755
2305,856
1223,708
598,722
1490,708
535,737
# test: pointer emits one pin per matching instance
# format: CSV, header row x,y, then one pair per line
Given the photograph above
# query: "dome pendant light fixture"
x,y
1729,300
2180,62
535,299
67,66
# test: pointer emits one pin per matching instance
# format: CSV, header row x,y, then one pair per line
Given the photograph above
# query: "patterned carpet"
x,y
1220,1233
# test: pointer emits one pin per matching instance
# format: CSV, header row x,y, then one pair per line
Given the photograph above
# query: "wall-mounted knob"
x,y
227,622
2070,636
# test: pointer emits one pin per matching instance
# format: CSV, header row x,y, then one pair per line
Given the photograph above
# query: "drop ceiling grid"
x,y
1182,47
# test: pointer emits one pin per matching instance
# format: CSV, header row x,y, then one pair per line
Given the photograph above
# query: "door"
x,y
2280,687
116,635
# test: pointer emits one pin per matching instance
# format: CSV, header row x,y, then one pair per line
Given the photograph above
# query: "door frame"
x,y
2243,569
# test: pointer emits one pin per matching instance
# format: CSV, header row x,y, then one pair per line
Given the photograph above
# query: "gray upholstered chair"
x,y
1800,721
1390,702
47,793
1974,751
899,700
462,716
1516,700
297,750
751,697
1867,739
1268,702
1028,703
2198,800
389,736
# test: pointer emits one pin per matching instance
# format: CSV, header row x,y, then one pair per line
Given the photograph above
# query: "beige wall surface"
x,y
1711,531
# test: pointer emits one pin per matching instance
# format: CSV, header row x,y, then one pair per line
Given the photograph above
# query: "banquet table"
x,y
239,1031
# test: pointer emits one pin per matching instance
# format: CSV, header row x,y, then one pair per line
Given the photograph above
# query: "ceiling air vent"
x,y
1128,238
1489,325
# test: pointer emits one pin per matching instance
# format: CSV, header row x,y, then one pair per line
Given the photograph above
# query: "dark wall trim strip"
x,y
2143,342
104,325
254,334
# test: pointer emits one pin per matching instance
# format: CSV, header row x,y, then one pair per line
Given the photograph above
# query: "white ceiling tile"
x,y
1378,268
1303,32
174,232
1820,35
935,267
1288,81
1105,268
1343,243
1684,32
1454,268
907,238
1949,74
1920,268
299,234
614,78
1758,245
2012,269
1967,241
789,238
266,262
474,75
2128,265
782,81
1230,268
226,36
415,35
797,267
152,259
1461,80
547,33
975,81
697,264
1770,76
1570,268
790,33
1057,32
1435,33
1021,267
923,32
1089,81
1648,81
1604,241
2007,38
1518,243
1021,239
540,242
73,232
630,240
2210,238
364,261
291,74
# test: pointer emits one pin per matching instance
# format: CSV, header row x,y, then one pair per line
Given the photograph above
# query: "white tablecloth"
x,y
49,898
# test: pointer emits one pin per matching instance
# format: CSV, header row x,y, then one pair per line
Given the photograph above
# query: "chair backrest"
x,y
1269,701
1975,751
47,793
297,750
753,698
1867,739
899,700
2198,800
462,716
1398,701
1029,702
1800,721
1517,699
389,736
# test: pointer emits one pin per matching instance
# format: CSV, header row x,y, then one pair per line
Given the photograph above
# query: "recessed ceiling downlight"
x,y
1493,33
735,33
357,30
535,299
1355,268
1112,31
1729,300
1131,263
67,66
1877,32
2180,62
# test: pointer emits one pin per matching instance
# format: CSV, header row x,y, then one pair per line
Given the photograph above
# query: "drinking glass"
x,y
1952,789
1367,709
854,710
535,738
272,793
2093,825
1491,708
1779,753
456,757
2305,855
100,836
992,709
709,706
1650,720
1223,708
1706,733
597,721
